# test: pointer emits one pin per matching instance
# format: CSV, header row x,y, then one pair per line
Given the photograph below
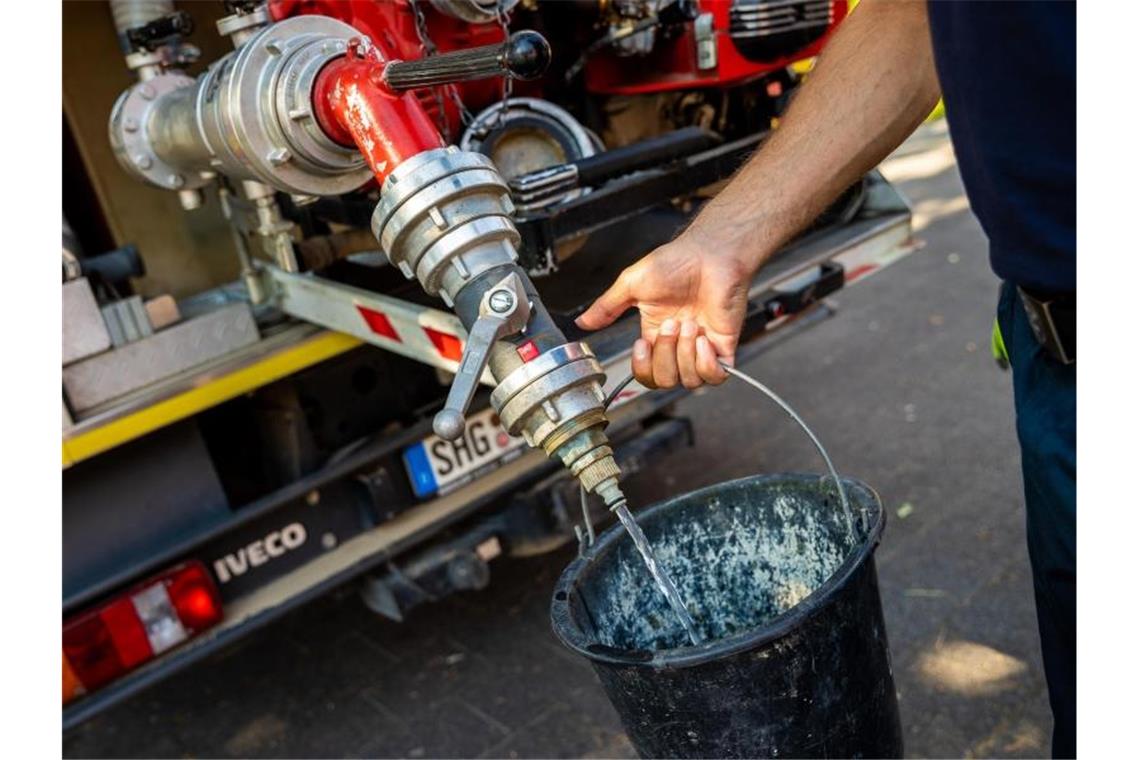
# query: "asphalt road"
x,y
901,388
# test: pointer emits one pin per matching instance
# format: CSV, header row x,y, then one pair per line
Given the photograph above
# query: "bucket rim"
x,y
571,635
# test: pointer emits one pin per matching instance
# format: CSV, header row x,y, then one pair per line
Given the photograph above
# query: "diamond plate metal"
x,y
116,373
84,333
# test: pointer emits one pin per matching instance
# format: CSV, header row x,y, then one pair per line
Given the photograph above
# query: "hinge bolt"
x,y
501,301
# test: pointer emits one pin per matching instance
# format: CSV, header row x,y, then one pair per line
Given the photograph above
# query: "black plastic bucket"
x,y
795,660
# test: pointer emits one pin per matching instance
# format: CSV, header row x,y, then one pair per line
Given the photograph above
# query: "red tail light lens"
x,y
88,648
103,644
127,633
195,598
72,688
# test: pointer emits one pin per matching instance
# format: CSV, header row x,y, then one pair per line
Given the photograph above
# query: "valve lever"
x,y
503,310
524,56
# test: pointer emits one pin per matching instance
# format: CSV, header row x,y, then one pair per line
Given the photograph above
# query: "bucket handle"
x,y
587,539
803,425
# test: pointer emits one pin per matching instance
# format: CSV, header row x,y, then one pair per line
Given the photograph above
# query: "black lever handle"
x,y
525,55
149,36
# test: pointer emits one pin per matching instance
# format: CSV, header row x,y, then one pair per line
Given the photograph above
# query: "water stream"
x,y
662,580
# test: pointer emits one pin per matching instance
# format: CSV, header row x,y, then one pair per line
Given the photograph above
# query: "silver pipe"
x,y
71,253
172,129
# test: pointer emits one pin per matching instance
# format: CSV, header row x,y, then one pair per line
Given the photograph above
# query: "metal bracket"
x,y
705,38
428,335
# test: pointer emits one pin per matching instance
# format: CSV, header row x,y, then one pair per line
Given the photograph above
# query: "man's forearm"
x,y
873,84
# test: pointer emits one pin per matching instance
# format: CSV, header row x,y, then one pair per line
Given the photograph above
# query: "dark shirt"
x,y
1009,79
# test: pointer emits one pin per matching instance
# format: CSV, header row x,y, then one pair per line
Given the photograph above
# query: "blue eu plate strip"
x,y
423,479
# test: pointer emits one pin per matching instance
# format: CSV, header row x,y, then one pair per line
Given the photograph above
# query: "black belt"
x,y
1053,318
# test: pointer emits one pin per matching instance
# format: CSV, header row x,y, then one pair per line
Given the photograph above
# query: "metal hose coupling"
x,y
445,219
555,402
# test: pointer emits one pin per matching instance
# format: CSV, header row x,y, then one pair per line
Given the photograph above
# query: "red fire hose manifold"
x,y
310,106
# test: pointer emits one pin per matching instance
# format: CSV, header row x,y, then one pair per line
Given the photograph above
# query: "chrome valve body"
x,y
248,117
445,216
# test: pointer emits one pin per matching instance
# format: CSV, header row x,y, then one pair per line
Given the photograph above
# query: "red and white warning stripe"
x,y
423,333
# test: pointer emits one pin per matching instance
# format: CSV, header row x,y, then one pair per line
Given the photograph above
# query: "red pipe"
x,y
355,108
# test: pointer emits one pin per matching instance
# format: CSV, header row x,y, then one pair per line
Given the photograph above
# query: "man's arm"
x,y
873,84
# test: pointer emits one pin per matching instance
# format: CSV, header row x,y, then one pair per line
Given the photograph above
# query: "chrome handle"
x,y
503,310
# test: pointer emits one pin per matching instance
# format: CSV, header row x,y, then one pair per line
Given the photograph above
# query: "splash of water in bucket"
x,y
659,576
615,499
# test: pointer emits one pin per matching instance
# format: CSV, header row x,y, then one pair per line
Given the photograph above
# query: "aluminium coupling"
x,y
444,218
556,403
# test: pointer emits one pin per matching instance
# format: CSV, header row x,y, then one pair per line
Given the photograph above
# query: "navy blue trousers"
x,y
1045,396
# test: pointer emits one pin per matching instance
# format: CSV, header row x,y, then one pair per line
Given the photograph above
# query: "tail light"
x,y
107,642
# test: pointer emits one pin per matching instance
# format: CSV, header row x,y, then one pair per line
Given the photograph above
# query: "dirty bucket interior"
x,y
741,554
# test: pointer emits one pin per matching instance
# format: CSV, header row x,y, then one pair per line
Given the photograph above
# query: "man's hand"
x,y
873,84
692,299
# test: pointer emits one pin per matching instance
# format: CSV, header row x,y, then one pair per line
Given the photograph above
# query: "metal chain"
x,y
508,83
429,49
465,117
428,46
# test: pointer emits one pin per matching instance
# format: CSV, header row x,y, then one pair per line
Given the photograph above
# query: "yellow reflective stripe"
x,y
997,345
274,367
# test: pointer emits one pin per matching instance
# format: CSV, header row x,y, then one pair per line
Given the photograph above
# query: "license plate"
x,y
437,466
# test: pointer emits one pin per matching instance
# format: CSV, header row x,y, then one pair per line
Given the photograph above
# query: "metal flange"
x,y
255,110
129,133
